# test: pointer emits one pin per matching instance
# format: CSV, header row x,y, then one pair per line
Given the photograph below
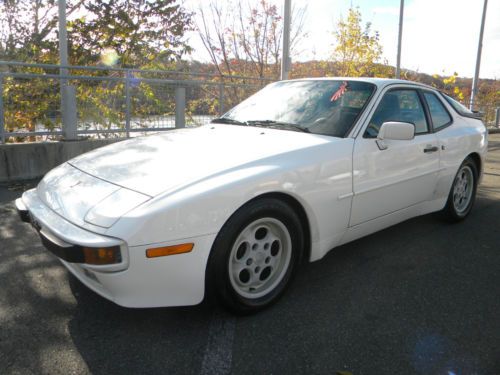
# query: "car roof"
x,y
379,82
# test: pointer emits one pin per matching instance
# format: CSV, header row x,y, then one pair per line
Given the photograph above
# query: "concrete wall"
x,y
25,161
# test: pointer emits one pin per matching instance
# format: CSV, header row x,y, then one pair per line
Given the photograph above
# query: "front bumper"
x,y
176,280
22,211
66,251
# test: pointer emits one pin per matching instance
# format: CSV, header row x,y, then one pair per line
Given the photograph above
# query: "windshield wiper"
x,y
277,124
227,120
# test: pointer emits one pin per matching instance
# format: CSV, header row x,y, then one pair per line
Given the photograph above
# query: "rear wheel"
x,y
255,255
463,192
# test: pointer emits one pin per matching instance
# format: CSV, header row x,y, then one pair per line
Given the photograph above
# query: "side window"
x,y
398,105
440,117
459,107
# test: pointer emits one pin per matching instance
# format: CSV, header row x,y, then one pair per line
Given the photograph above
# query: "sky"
x,y
439,36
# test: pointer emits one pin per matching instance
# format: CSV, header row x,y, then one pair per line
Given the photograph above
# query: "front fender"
x,y
316,179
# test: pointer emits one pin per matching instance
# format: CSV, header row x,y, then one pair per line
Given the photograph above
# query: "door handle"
x,y
429,149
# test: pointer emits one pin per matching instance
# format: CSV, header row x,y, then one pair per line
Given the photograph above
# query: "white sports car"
x,y
230,209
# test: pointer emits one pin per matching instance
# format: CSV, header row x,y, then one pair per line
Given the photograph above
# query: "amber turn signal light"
x,y
169,250
102,255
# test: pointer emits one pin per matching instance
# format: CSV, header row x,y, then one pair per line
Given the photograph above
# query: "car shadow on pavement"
x,y
417,298
113,339
32,302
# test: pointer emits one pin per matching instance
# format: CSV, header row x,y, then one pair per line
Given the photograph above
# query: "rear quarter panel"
x,y
462,138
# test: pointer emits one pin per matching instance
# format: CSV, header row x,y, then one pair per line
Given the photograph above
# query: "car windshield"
x,y
328,107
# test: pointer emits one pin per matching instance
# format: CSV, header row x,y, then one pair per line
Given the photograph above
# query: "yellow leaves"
x,y
357,49
452,80
449,80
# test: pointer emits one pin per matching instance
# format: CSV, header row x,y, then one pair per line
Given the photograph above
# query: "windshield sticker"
x,y
341,91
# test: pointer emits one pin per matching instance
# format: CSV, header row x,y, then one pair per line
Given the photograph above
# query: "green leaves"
x,y
133,28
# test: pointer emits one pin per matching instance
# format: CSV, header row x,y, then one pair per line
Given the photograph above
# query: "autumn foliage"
x,y
240,38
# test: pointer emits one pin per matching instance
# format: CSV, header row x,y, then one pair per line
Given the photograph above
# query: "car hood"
x,y
169,161
85,200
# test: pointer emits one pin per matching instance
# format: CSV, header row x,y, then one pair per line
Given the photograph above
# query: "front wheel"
x,y
255,255
463,192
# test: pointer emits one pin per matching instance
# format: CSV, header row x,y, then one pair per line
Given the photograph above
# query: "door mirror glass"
x,y
397,131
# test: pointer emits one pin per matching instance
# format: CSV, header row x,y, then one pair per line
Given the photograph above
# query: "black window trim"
x,y
428,110
422,103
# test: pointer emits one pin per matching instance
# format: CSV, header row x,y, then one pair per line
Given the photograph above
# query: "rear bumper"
x,y
176,280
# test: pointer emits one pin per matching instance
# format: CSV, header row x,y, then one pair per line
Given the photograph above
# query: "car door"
x,y
406,172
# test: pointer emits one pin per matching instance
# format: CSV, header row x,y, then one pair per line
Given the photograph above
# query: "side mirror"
x,y
396,131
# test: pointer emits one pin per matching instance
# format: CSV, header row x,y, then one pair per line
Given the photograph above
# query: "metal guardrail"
x,y
491,116
111,102
490,113
130,70
122,102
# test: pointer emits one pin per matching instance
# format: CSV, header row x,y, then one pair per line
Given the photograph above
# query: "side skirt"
x,y
375,225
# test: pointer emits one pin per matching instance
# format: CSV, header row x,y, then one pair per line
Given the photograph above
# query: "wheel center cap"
x,y
259,257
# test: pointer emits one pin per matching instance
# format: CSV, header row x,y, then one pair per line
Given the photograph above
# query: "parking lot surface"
x,y
422,297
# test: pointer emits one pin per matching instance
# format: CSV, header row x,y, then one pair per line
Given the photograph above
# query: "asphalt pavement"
x,y
422,297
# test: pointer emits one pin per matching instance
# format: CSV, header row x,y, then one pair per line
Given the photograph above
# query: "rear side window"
x,y
398,105
440,116
460,108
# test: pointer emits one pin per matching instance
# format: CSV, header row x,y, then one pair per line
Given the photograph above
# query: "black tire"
x,y
451,212
222,282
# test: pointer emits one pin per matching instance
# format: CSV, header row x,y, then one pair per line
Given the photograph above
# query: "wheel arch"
x,y
476,158
295,205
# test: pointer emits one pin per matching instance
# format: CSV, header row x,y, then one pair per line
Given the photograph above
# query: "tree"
x,y
138,31
451,87
357,49
488,99
245,38
28,29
